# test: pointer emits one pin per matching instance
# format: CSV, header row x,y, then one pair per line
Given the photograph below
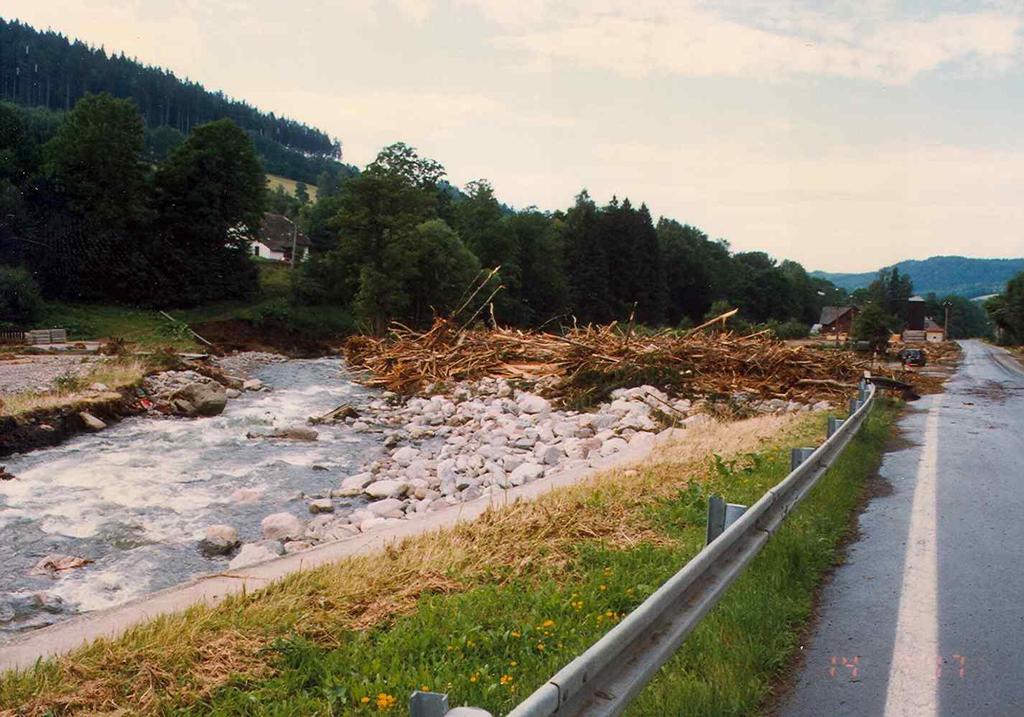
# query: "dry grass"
x,y
116,374
274,181
179,659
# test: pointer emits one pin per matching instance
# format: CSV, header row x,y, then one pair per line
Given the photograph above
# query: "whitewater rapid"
x,y
135,498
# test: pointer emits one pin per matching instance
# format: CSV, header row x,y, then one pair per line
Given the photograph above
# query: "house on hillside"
x,y
276,238
837,320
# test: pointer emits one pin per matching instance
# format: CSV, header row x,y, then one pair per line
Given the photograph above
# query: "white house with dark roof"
x,y
276,238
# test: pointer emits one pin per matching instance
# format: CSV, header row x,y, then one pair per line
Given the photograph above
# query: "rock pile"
x,y
483,437
189,393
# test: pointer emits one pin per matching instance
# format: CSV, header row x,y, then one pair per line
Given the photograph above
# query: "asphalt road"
x,y
926,617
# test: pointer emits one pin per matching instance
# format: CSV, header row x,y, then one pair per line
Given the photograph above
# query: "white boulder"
x,y
526,473
353,485
253,553
386,489
219,540
548,454
282,526
405,455
533,404
613,445
386,508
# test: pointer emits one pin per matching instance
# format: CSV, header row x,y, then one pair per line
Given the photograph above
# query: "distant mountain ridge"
x,y
942,275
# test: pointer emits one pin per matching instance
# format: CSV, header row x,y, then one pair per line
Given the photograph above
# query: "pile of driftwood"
x,y
583,365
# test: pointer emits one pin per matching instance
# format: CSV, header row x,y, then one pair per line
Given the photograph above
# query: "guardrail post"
x,y
721,515
854,405
833,425
798,456
716,517
733,511
428,704
435,704
862,390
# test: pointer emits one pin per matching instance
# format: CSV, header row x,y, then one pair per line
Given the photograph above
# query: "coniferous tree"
x,y
587,262
484,228
649,290
545,287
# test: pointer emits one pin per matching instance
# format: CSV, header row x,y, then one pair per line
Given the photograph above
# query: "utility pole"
x,y
295,236
945,330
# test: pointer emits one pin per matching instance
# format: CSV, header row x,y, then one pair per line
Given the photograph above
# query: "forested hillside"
x,y
942,275
47,70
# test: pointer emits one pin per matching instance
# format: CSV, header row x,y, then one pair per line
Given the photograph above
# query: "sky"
x,y
845,135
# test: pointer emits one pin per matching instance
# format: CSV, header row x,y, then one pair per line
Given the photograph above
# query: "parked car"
x,y
913,357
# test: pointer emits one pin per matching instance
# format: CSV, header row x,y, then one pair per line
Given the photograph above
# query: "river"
x,y
136,497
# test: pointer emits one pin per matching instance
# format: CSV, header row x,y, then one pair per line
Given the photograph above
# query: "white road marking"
x,y
913,678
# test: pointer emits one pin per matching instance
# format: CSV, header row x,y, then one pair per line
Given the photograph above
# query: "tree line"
x,y
47,70
87,213
396,242
94,213
1007,312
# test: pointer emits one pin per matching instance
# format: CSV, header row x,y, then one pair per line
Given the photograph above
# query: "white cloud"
x,y
648,36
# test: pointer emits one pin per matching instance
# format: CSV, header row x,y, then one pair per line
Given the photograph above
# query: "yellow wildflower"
x,y
385,701
474,677
548,623
505,679
515,634
365,700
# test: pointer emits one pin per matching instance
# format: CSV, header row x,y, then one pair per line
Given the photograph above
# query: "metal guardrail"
x,y
612,672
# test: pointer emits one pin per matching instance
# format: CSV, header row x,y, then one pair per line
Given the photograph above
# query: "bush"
x,y
318,321
21,304
792,329
276,311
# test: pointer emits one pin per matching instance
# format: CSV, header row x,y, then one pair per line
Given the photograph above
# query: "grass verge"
x,y
148,329
488,610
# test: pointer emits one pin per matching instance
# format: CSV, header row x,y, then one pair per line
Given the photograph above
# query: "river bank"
x,y
154,500
448,607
